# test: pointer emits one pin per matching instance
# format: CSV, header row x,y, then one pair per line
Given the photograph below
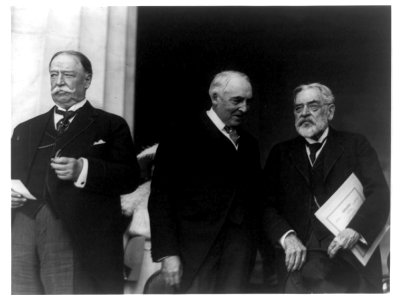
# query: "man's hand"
x,y
295,252
172,270
67,168
17,200
346,239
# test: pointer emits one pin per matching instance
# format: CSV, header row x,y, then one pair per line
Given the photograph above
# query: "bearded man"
x,y
300,176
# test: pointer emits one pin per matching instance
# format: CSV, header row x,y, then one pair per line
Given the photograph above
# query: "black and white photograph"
x,y
238,148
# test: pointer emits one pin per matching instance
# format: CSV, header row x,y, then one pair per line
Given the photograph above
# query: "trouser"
x,y
228,264
42,255
321,274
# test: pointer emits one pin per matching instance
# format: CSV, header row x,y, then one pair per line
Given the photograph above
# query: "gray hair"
x,y
326,93
221,80
82,58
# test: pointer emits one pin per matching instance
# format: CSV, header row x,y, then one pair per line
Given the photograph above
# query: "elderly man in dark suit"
x,y
300,175
203,197
76,160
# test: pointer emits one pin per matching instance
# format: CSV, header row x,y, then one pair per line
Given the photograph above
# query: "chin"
x,y
235,122
64,102
307,132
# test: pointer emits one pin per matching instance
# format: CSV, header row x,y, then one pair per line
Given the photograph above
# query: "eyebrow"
x,y
63,71
310,102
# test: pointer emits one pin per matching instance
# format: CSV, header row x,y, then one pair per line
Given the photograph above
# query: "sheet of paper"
x,y
19,187
339,210
341,207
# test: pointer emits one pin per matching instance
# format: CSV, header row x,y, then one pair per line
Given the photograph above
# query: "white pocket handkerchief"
x,y
99,142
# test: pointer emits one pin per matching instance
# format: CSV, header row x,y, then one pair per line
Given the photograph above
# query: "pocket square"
x,y
99,142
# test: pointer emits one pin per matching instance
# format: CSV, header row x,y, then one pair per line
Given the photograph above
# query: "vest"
x,y
318,192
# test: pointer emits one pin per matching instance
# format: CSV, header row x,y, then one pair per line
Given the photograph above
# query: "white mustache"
x,y
305,120
64,89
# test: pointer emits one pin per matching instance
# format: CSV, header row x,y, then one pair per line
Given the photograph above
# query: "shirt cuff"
x,y
362,239
281,241
81,180
161,259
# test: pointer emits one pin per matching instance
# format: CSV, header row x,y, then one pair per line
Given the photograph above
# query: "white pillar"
x,y
106,35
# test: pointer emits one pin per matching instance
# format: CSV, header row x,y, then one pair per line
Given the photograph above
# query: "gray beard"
x,y
312,132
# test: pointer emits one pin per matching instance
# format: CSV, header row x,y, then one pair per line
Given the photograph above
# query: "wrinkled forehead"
x,y
237,85
307,95
66,62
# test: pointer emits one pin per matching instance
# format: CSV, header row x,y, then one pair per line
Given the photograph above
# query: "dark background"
x,y
179,49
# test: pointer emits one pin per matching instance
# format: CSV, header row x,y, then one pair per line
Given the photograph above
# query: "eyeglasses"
x,y
313,107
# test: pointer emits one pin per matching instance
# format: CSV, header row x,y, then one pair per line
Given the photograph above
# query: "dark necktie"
x,y
313,148
232,133
64,123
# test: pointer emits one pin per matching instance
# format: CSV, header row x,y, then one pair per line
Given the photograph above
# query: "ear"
x,y
214,99
331,112
87,79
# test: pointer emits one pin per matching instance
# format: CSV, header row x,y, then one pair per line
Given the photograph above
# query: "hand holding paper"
x,y
19,188
17,200
346,239
19,194
336,214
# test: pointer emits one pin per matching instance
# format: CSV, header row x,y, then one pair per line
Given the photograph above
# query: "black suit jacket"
x,y
91,214
289,195
198,177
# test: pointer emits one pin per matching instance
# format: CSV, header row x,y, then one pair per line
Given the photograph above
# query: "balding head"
x,y
221,81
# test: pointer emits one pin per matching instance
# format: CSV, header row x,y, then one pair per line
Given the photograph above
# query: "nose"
x,y
305,110
60,80
244,106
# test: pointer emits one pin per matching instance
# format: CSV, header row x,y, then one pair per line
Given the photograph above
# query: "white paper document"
x,y
339,210
19,187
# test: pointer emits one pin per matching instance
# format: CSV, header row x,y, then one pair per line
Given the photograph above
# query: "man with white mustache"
x,y
300,176
76,161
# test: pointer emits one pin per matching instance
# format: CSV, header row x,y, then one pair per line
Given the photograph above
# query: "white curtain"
x,y
106,35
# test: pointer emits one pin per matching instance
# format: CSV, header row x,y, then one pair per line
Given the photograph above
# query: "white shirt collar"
x,y
321,139
220,125
74,107
58,117
215,119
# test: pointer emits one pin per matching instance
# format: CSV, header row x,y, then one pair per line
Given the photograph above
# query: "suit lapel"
x,y
84,118
215,134
36,132
332,151
299,158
